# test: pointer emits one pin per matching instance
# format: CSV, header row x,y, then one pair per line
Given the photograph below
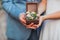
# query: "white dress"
x,y
51,28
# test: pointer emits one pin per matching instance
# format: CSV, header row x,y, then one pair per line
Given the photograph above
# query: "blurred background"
x,y
2,23
0,4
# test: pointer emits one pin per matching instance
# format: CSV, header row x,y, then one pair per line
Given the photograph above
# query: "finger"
x,y
23,23
40,22
23,20
37,26
32,24
32,27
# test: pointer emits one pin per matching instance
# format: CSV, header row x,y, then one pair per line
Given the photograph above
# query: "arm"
x,y
11,9
55,15
42,6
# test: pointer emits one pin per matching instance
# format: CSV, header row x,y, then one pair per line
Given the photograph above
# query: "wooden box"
x,y
32,6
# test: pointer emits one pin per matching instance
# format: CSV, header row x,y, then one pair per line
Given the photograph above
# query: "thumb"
x,y
31,24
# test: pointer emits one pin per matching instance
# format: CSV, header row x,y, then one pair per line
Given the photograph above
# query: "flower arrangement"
x,y
31,17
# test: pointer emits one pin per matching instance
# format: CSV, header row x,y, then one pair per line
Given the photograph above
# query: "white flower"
x,y
33,12
28,15
27,12
32,17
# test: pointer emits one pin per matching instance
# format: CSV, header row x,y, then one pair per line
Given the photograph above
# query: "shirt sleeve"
x,y
12,9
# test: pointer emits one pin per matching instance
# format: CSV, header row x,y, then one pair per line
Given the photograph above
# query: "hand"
x,y
34,26
23,21
30,26
22,18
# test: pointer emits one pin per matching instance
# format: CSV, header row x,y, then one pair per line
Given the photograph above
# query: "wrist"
x,y
21,14
44,17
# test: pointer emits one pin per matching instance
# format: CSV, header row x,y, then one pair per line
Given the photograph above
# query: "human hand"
x,y
23,21
35,26
22,18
